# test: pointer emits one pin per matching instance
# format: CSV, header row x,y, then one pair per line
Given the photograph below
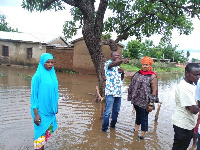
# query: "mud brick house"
x,y
20,48
25,49
75,56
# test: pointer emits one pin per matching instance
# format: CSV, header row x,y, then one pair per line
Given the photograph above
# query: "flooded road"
x,y
79,123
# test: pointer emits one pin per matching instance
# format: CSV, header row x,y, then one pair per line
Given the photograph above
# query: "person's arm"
x,y
120,70
154,84
118,62
154,88
34,99
194,109
37,118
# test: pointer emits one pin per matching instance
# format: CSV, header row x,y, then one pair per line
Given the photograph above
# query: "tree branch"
x,y
167,6
111,43
188,9
45,5
70,2
100,16
125,35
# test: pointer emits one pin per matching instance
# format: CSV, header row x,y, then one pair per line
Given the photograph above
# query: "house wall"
x,y
82,61
63,57
18,53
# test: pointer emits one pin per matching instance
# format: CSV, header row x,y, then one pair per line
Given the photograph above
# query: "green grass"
x,y
26,77
3,74
130,68
135,65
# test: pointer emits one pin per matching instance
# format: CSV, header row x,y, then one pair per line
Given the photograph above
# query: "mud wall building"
x,y
26,49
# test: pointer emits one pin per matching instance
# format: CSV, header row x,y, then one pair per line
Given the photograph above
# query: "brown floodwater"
x,y
79,123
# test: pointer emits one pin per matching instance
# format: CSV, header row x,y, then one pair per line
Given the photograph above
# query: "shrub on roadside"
x,y
135,65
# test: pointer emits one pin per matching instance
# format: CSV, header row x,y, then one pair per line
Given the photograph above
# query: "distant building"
x,y
25,49
20,48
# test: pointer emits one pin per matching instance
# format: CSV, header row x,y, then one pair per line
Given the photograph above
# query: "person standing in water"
x,y
114,76
185,116
44,101
142,93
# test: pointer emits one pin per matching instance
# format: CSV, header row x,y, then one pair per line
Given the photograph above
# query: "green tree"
x,y
195,60
188,55
147,46
170,52
133,49
128,18
136,49
4,25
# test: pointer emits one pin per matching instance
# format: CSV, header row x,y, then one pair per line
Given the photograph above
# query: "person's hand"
x,y
150,108
120,70
37,120
126,60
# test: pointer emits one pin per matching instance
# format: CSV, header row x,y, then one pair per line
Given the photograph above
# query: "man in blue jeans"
x,y
114,76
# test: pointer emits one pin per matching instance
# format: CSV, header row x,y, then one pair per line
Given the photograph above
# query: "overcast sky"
x,y
51,23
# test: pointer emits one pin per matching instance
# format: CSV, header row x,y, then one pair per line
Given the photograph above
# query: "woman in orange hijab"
x,y
142,93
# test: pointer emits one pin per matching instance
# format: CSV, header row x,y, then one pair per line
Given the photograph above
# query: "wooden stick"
x,y
101,102
158,110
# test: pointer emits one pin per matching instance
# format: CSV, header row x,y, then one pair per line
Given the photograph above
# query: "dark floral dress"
x,y
139,92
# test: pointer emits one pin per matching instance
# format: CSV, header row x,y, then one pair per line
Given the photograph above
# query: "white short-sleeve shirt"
x,y
184,96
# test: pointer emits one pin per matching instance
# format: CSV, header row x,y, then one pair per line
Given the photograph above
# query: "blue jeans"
x,y
141,117
198,142
112,103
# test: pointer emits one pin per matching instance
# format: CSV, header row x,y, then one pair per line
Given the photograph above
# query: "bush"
x,y
135,65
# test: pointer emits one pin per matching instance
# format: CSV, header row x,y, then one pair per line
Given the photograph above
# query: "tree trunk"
x,y
98,60
92,31
93,44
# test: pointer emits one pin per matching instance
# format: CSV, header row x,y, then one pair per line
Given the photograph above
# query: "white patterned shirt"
x,y
113,80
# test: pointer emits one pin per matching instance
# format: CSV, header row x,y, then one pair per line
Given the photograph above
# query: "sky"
x,y
50,23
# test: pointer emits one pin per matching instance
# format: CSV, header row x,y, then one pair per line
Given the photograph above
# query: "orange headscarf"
x,y
148,60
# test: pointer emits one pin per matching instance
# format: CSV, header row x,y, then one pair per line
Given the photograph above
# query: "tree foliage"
x,y
128,18
136,49
195,60
4,25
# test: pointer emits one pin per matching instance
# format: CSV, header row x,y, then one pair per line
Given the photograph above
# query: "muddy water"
x,y
78,116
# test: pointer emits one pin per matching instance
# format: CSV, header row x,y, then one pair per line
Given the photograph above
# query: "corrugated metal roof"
x,y
15,36
26,37
60,37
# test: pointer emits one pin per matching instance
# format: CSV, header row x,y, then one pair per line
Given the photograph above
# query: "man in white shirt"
x,y
185,116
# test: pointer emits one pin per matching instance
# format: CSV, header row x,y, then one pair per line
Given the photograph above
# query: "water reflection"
x,y
78,115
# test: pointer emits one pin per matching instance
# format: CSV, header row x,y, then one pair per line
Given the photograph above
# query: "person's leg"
x,y
115,111
198,142
107,111
182,138
137,118
144,122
